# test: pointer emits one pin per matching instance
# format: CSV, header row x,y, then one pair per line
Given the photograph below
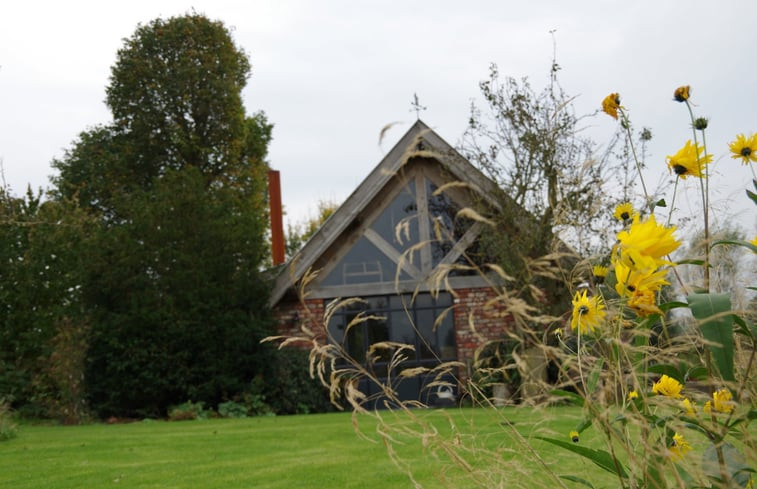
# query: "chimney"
x,y
277,218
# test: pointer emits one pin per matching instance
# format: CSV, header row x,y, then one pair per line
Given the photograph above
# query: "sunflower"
x,y
679,446
644,276
688,161
633,395
745,148
588,312
574,436
611,104
681,94
599,272
624,212
667,386
721,402
688,406
646,239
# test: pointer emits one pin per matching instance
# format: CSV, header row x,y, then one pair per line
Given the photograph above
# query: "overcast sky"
x,y
331,74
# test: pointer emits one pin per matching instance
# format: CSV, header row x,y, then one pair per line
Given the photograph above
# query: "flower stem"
x,y
626,124
705,203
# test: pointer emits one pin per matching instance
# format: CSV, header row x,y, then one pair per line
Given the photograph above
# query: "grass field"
x,y
309,451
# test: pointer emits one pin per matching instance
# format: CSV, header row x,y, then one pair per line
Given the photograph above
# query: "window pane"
x,y
402,328
364,263
398,222
425,325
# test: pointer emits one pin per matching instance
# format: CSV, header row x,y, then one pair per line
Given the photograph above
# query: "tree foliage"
x,y
172,284
530,143
43,249
299,233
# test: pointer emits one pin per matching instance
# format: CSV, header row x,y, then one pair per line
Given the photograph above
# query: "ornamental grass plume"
x,y
689,161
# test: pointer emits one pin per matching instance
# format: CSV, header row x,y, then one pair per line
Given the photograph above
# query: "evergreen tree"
x,y
173,287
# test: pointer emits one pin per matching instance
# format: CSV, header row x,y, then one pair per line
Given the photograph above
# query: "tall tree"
x,y
174,284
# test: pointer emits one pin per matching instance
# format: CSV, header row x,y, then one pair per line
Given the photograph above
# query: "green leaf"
x,y
599,457
752,196
661,203
735,466
697,373
737,242
573,478
716,323
571,396
745,327
672,305
691,261
668,370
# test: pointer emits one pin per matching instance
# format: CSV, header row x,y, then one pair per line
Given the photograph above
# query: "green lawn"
x,y
313,451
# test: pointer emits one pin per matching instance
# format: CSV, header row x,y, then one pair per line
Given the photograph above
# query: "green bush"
x,y
232,409
7,426
187,411
289,388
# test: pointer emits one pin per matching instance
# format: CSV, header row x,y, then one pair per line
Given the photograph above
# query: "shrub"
x,y
232,409
289,389
7,426
187,411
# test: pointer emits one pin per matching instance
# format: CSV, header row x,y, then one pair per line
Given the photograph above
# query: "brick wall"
x,y
478,319
290,316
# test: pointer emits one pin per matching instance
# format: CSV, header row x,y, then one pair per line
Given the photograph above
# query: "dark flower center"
x,y
583,310
625,216
746,151
631,288
680,169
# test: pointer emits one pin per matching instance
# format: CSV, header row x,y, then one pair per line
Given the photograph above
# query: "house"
x,y
394,242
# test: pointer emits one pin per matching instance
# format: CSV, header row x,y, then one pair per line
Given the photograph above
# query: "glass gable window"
x,y
398,222
363,264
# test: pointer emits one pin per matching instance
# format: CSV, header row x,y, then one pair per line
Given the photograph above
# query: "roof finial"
x,y
417,107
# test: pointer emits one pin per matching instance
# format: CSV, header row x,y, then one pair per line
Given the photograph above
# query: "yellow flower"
x,y
624,212
633,395
679,447
688,161
643,303
611,104
744,148
642,277
688,406
588,312
599,272
681,94
754,241
667,386
574,436
721,402
646,239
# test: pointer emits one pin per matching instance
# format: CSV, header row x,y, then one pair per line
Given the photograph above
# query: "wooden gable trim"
x,y
350,220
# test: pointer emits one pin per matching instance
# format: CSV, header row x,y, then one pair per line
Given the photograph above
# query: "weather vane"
x,y
416,106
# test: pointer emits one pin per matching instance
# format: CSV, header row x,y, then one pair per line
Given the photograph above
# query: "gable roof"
x,y
419,141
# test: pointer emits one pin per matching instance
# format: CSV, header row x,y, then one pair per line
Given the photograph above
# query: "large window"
x,y
425,323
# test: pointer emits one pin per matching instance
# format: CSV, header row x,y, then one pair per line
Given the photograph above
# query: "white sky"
x,y
330,74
